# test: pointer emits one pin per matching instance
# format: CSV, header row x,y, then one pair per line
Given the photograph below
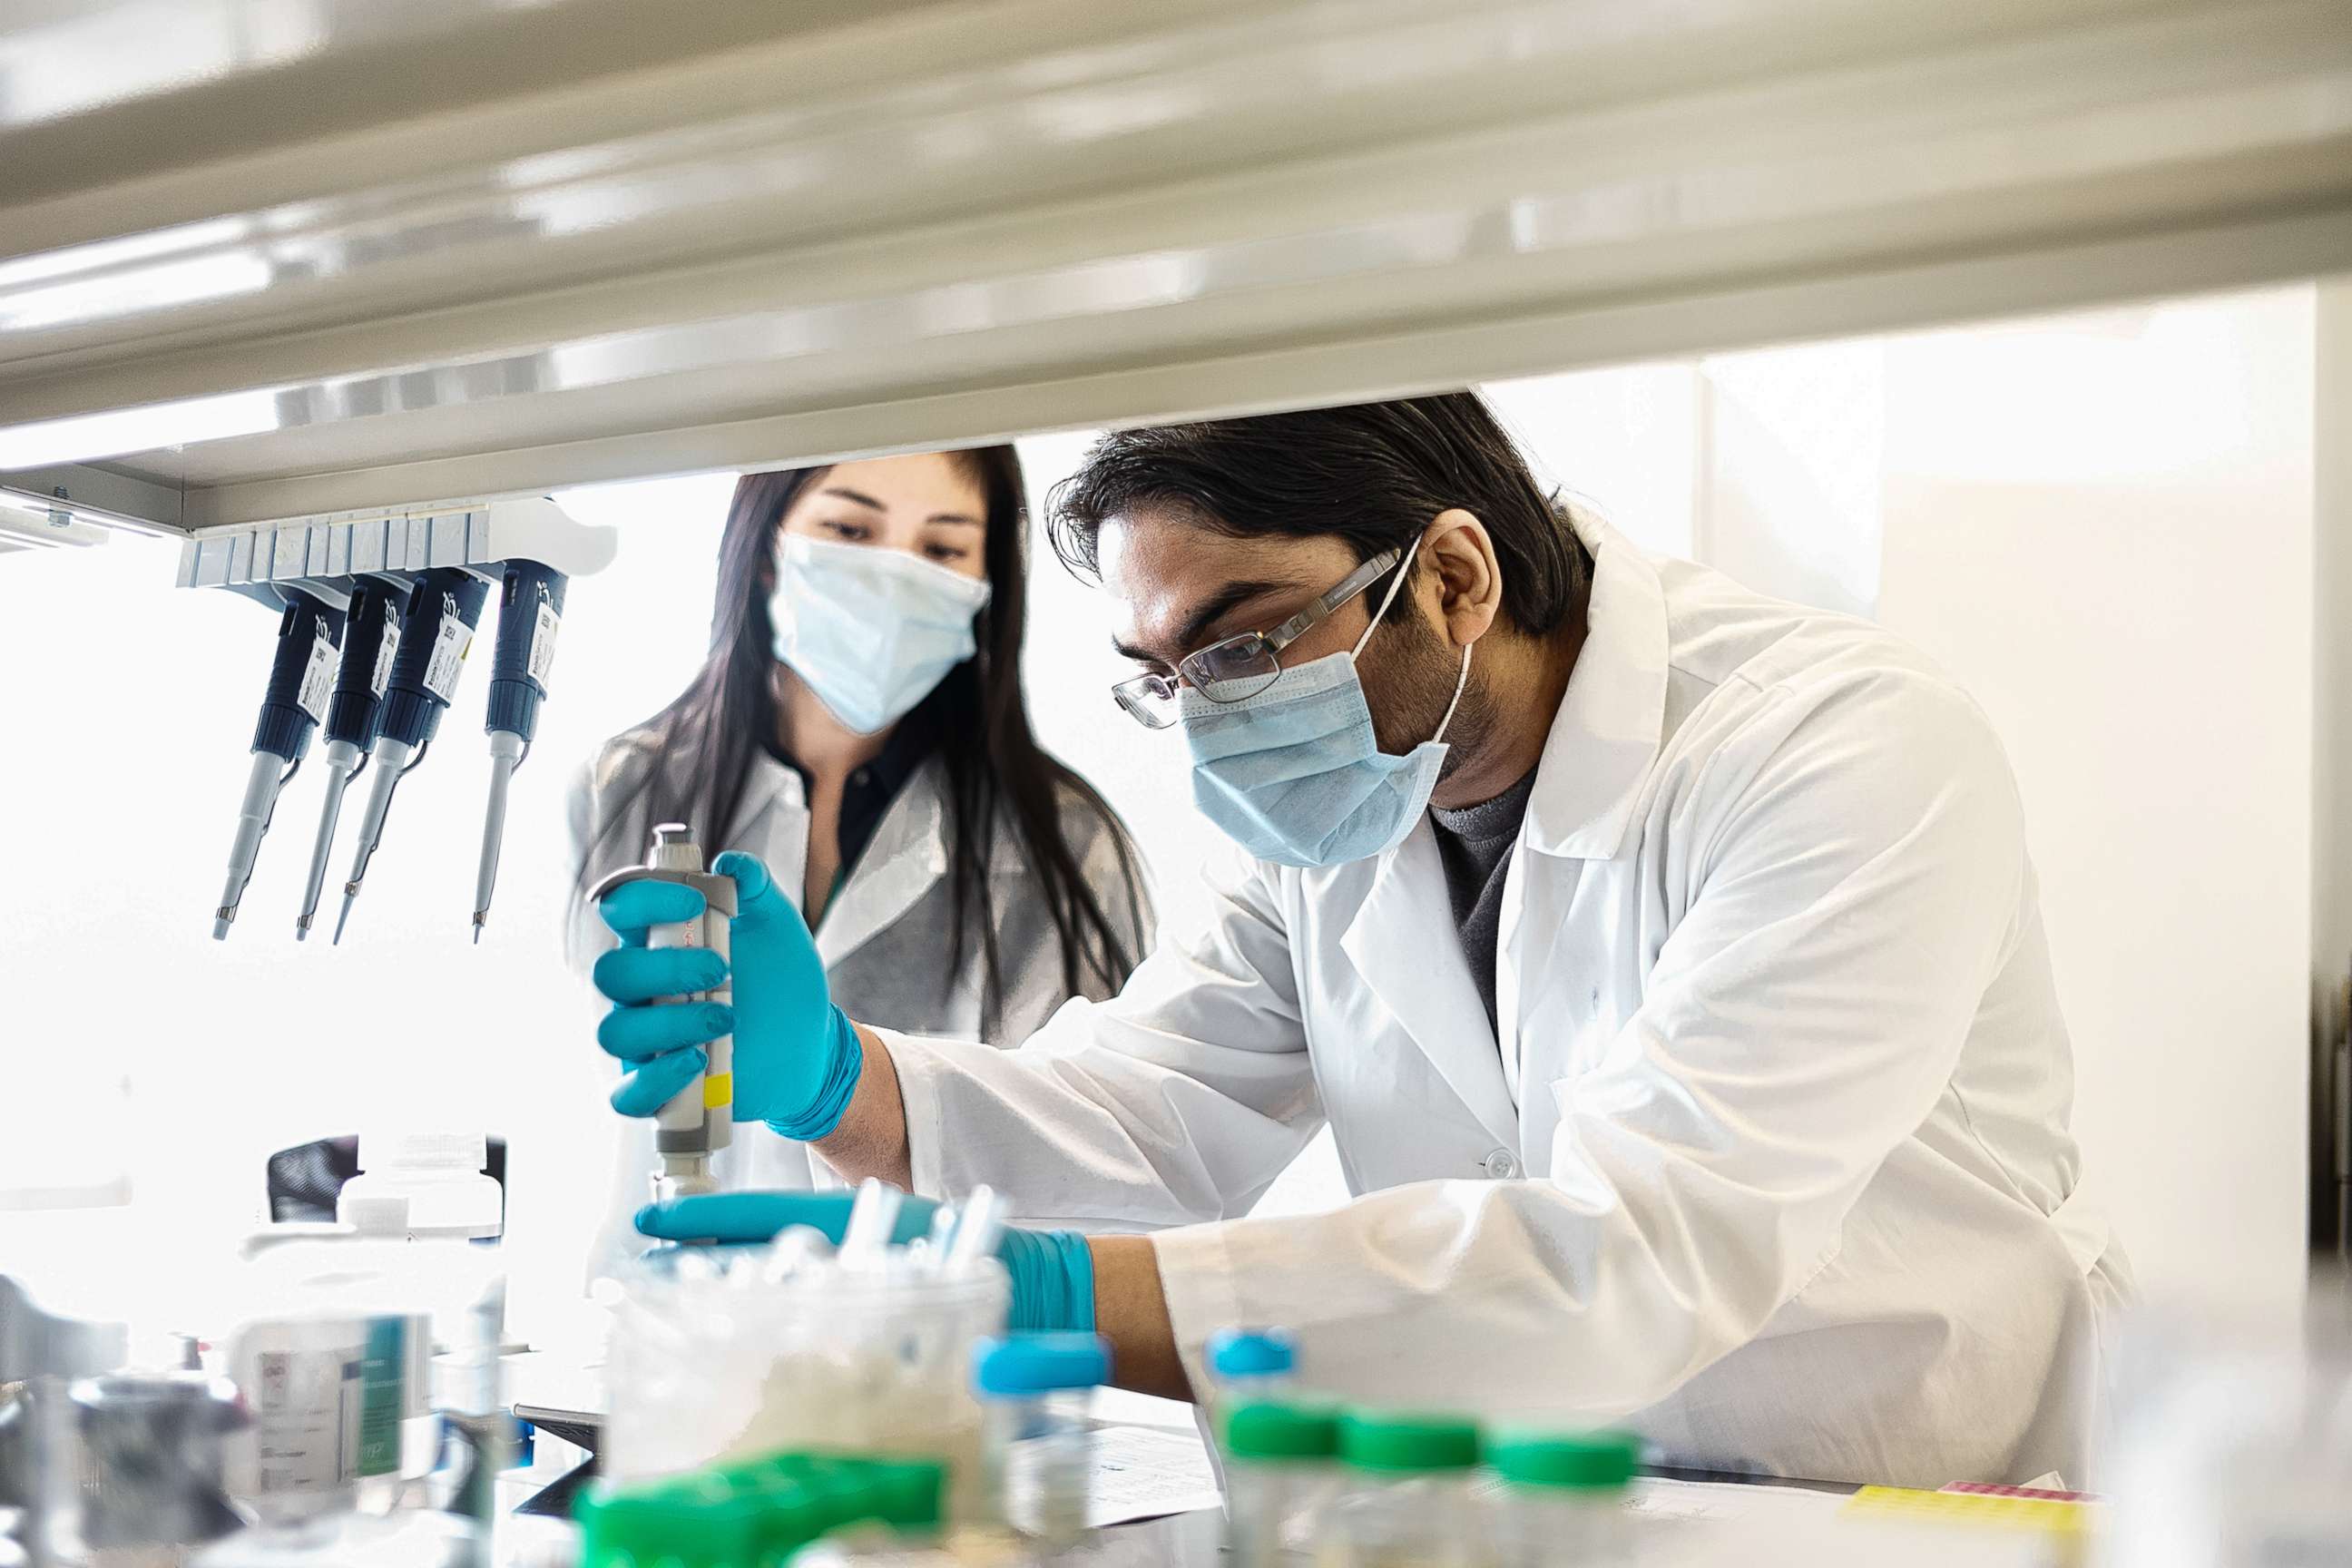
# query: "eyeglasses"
x,y
1240,666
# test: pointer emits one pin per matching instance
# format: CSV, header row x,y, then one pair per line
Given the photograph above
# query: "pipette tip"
x,y
342,915
479,916
221,923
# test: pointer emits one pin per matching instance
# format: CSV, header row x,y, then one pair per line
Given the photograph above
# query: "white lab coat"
x,y
883,935
1771,1158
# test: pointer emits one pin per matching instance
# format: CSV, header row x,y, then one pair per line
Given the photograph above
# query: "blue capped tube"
x,y
530,613
435,634
301,677
370,641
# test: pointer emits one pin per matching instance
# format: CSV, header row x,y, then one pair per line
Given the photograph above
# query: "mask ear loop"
x,y
1386,600
1461,680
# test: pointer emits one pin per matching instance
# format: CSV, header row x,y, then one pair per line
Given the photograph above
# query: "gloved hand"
x,y
1053,1270
796,1056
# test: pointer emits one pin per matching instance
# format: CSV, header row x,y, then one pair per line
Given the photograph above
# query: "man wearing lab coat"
x,y
1666,960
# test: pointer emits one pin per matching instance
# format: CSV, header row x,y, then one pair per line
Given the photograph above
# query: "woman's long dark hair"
x,y
700,748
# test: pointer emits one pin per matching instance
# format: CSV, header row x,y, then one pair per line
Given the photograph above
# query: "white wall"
x,y
2104,526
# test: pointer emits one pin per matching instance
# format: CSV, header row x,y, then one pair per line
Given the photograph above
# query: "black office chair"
x,y
305,1181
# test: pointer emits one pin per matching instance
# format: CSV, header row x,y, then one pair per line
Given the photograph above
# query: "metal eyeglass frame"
x,y
1150,699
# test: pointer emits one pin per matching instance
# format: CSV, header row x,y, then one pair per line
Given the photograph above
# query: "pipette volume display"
x,y
530,613
436,635
301,675
370,641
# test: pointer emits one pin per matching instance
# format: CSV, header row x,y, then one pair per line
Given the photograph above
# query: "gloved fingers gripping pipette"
x,y
679,910
530,613
795,1058
301,675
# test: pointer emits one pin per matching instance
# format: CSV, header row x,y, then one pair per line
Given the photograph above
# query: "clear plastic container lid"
x,y
408,1150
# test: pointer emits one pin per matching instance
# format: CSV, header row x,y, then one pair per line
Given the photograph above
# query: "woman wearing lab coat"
x,y
860,727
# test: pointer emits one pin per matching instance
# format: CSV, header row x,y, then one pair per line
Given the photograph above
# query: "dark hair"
x,y
1374,474
701,746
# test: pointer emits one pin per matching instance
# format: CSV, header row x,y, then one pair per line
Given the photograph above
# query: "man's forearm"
x,y
872,1137
1131,1312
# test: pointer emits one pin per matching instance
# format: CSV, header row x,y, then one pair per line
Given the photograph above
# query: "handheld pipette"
x,y
301,674
530,611
435,637
699,1120
371,639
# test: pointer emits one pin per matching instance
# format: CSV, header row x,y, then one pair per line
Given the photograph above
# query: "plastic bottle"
x,y
1281,1464
330,1356
439,1178
1563,1497
1408,1502
1037,1441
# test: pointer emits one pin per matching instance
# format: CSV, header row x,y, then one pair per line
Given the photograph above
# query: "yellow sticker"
x,y
717,1090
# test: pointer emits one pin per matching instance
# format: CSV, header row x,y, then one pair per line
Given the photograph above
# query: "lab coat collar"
x,y
905,859
1605,737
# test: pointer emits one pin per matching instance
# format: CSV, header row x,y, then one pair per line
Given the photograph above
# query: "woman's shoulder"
x,y
621,763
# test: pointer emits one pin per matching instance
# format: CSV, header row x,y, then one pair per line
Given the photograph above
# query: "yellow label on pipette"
x,y
717,1090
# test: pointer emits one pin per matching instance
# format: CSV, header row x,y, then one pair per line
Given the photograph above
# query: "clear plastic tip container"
x,y
1036,1436
1281,1468
1562,1497
1407,1500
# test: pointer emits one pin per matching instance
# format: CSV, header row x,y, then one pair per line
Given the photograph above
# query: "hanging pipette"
x,y
530,612
435,637
371,638
301,674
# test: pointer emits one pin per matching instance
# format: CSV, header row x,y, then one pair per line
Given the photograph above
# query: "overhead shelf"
x,y
463,251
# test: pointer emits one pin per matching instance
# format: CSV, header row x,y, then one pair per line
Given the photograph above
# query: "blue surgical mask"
x,y
1294,775
869,629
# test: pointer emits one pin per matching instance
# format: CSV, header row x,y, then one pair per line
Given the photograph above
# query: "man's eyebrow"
x,y
860,497
1212,610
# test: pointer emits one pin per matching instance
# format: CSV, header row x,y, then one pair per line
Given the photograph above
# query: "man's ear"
x,y
1467,591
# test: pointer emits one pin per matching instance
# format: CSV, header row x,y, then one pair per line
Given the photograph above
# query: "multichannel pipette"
x,y
435,636
699,1120
301,674
371,638
530,612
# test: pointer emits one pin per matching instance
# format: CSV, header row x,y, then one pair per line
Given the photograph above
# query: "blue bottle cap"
x,y
1040,1364
1251,1352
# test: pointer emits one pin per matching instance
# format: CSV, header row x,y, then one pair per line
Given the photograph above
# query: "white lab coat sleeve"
x,y
1179,1099
1854,875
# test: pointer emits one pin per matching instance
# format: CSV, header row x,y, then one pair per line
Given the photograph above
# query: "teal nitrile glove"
x,y
1053,1270
796,1056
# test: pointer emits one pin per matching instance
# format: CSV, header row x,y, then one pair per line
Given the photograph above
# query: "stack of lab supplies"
x,y
723,1355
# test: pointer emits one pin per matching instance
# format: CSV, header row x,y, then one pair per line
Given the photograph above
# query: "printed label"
x,y
542,641
384,1371
384,651
451,644
301,1383
318,675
